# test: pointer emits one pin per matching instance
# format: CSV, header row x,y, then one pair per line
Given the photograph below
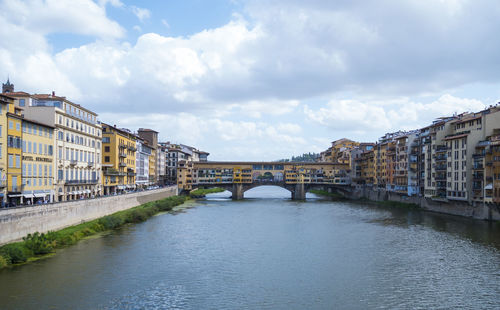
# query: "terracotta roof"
x,y
456,137
16,93
464,120
48,96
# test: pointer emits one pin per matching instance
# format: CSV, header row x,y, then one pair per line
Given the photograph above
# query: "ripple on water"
x,y
158,296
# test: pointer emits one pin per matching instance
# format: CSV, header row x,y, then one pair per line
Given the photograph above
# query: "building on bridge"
x,y
241,176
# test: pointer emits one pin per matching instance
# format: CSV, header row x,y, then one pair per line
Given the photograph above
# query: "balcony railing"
x,y
77,182
122,164
123,155
73,162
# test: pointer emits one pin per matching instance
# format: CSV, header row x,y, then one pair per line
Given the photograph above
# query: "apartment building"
x,y
118,159
77,143
151,137
14,154
143,153
180,152
5,103
162,164
38,162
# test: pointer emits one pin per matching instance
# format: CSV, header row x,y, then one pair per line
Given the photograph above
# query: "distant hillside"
x,y
306,157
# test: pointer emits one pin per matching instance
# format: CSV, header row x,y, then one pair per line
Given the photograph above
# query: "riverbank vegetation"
x,y
335,196
202,192
37,245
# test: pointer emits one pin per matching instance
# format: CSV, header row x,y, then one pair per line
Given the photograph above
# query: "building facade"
x,y
77,147
118,159
38,162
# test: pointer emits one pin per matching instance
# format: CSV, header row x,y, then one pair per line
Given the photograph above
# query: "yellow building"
x,y
5,102
118,159
38,164
14,154
152,166
341,151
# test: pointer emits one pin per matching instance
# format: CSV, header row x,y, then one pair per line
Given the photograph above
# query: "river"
x,y
268,252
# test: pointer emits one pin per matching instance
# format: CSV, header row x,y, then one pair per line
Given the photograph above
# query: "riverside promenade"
x,y
16,223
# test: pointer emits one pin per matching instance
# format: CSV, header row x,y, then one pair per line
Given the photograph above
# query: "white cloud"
x,y
137,28
165,23
378,117
115,3
60,16
141,13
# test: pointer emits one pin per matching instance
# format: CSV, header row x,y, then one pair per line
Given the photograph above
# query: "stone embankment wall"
x,y
477,211
16,223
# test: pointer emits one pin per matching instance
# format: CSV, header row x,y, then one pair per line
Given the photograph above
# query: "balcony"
x,y
73,162
81,182
478,155
478,166
124,155
441,148
132,148
477,177
440,157
90,164
440,167
122,146
122,165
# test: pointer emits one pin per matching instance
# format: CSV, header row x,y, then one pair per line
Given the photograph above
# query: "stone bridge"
x,y
239,177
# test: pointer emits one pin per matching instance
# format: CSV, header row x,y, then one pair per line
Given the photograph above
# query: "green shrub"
x,y
137,216
111,221
15,252
38,243
3,262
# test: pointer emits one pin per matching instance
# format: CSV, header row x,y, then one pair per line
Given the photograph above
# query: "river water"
x,y
268,252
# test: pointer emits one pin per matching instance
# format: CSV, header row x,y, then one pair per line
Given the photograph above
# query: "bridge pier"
x,y
237,191
299,193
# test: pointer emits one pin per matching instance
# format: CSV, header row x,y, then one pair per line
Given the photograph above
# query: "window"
x,y
106,159
22,102
18,126
11,125
11,160
29,146
18,161
106,149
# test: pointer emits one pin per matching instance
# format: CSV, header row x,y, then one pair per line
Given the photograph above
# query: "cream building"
x,y
77,148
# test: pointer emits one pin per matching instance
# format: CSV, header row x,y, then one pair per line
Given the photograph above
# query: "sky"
x,y
257,79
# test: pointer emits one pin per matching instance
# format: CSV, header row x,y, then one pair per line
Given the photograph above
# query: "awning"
x,y
79,192
489,186
15,195
71,193
28,195
87,191
121,187
40,195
